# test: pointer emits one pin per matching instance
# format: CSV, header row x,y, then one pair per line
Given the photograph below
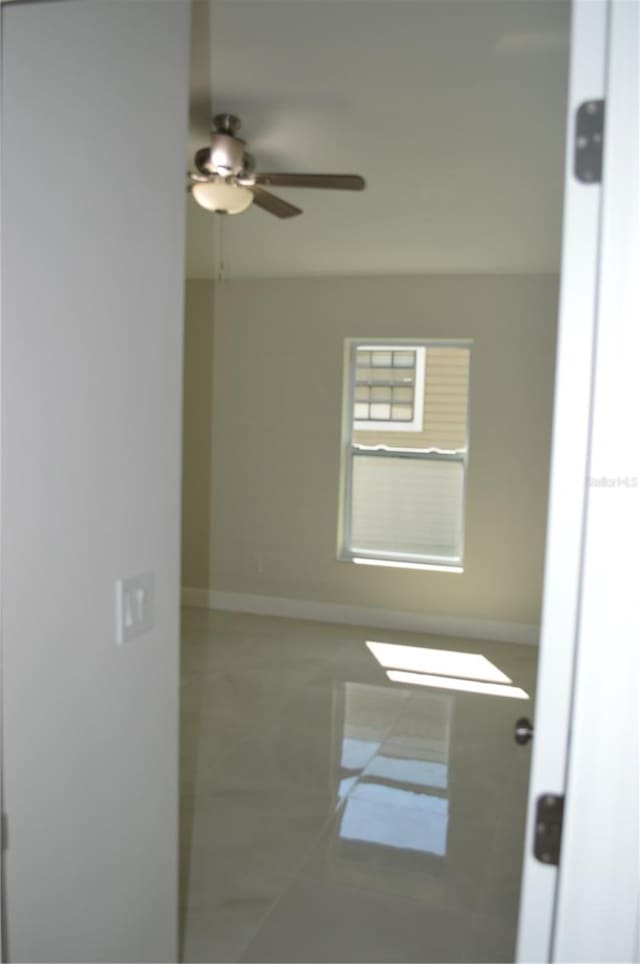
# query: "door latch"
x,y
523,731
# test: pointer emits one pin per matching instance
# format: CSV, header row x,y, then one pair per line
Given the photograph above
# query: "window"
x,y
405,453
389,388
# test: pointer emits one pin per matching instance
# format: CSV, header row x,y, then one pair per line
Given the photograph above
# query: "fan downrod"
x,y
226,124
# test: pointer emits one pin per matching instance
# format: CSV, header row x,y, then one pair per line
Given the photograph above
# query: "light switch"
x,y
134,606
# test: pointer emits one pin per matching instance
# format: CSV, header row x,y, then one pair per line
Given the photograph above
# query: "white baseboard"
x,y
325,612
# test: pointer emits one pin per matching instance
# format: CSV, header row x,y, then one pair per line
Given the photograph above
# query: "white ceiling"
x,y
453,111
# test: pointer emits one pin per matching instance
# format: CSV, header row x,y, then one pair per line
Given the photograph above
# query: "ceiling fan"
x,y
225,179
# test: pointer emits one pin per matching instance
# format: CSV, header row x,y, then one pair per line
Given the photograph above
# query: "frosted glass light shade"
x,y
222,197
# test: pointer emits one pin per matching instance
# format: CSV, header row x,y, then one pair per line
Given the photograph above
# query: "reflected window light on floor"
x,y
398,799
444,669
393,816
420,773
442,662
464,685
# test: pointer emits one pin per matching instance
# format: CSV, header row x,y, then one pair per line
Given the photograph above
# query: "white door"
x,y
585,747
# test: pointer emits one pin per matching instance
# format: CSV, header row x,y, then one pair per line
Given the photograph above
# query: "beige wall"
x,y
196,434
277,397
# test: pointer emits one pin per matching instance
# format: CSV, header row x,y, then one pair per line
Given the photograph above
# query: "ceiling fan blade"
x,y
274,205
336,182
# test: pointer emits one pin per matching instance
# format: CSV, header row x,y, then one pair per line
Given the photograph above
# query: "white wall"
x,y
277,396
94,131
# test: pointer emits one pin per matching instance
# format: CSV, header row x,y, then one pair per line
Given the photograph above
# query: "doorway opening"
x,y
351,787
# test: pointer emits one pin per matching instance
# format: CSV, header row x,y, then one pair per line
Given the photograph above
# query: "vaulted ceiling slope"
x,y
453,110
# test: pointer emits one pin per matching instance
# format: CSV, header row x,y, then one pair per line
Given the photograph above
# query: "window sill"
x,y
401,564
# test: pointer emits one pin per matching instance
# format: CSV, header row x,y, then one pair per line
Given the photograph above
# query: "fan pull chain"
x,y
221,265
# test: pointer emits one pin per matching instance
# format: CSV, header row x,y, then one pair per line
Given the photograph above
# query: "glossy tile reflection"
x,y
330,814
397,800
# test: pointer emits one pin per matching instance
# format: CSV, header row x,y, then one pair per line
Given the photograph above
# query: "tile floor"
x,y
329,814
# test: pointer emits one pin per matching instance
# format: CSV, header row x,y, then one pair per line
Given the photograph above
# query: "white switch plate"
x,y
134,606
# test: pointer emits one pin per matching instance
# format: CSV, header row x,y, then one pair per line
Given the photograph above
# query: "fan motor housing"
x,y
225,156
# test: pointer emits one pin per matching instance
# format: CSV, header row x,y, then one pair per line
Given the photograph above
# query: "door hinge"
x,y
588,142
548,831
4,833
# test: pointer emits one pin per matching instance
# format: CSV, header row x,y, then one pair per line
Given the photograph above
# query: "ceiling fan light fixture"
x,y
225,178
221,197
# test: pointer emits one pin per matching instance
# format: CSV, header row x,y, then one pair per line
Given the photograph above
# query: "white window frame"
x,y
346,553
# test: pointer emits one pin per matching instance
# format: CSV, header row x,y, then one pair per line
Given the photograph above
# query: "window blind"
x,y
412,507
